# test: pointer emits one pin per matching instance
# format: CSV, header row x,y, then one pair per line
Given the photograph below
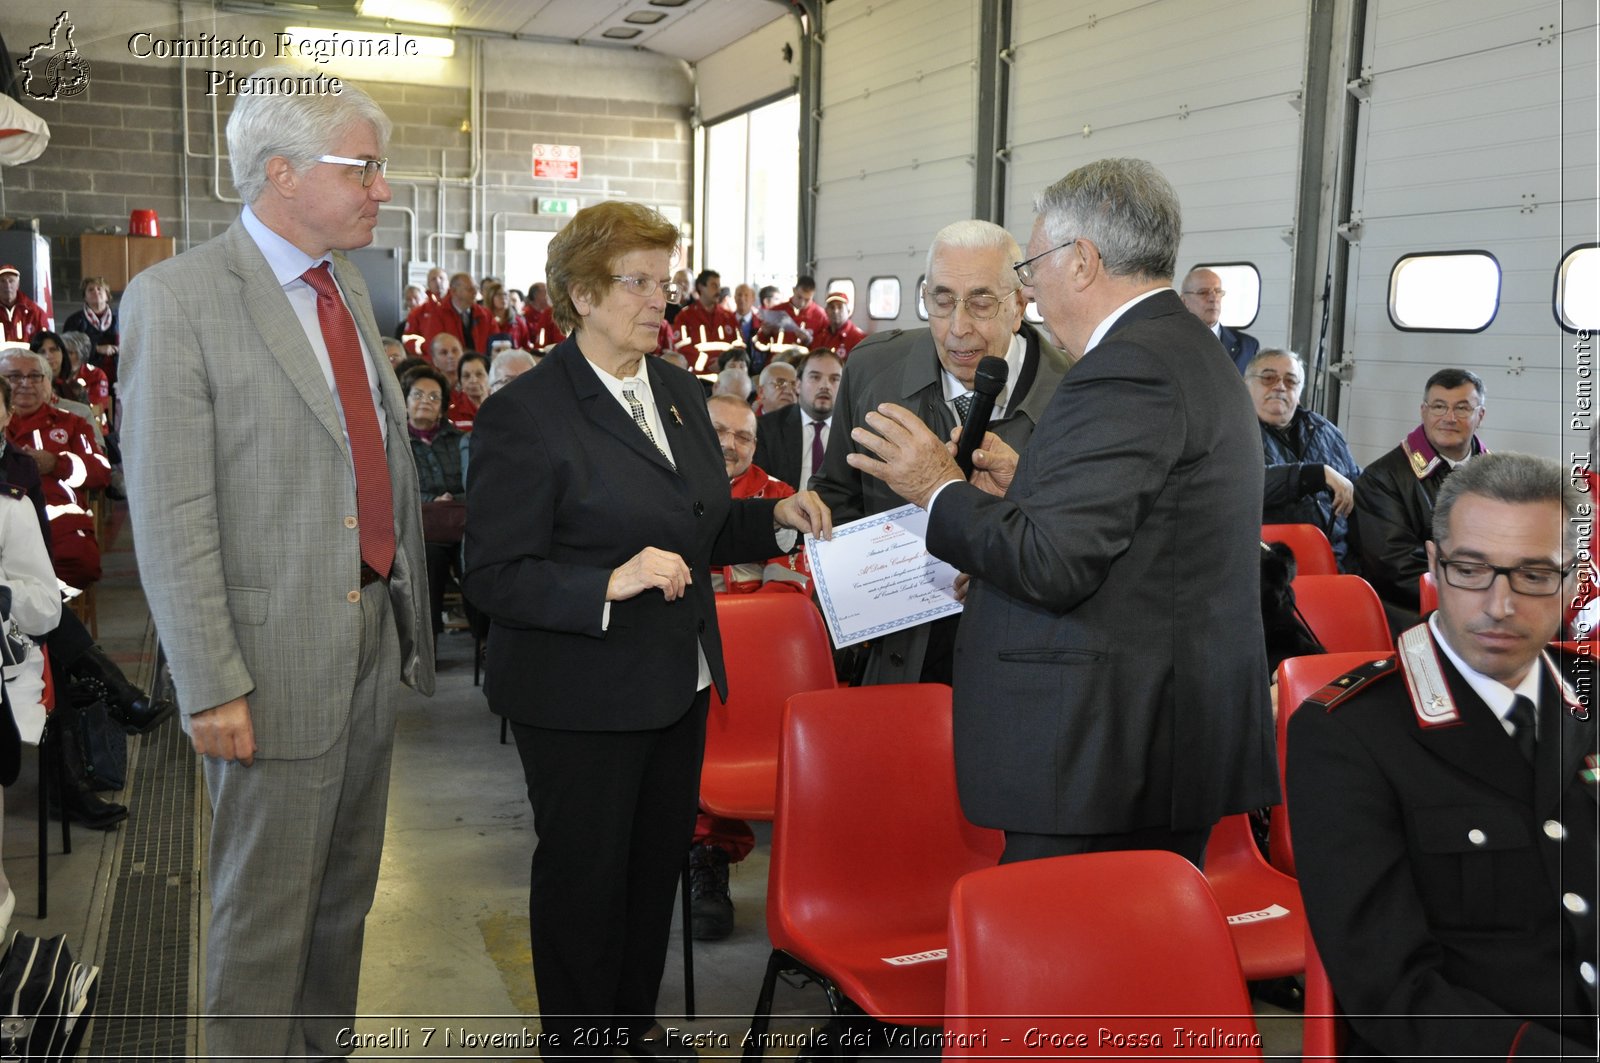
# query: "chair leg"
x,y
688,946
505,724
755,1046
477,661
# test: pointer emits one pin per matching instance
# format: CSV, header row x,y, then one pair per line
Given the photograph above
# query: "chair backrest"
x,y
773,645
869,828
1298,679
1313,554
1089,947
1343,612
1427,594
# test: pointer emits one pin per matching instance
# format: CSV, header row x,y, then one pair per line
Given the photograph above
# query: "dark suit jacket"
x,y
903,367
778,444
1433,878
1110,673
1241,346
563,488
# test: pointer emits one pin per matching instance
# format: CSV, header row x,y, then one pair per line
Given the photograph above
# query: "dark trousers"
x,y
614,812
1189,844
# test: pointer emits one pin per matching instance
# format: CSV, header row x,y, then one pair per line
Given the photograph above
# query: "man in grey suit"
x,y
1110,674
276,512
974,311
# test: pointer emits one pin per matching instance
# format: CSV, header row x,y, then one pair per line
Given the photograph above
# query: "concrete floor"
x,y
447,939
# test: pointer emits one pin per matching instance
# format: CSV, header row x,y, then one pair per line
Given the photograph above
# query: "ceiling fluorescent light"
x,y
645,18
425,12
621,33
322,45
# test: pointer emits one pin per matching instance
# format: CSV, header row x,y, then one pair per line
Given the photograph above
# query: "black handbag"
x,y
46,1000
94,749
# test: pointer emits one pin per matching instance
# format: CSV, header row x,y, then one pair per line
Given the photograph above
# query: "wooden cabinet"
x,y
120,258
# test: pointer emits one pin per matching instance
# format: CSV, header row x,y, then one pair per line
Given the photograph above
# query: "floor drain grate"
x,y
147,960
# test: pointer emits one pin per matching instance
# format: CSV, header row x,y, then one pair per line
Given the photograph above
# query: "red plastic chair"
x,y
1313,554
1324,1030
868,841
774,645
1298,679
1428,593
1344,613
1073,945
1265,916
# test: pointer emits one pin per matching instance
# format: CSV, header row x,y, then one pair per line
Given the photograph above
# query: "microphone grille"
x,y
990,377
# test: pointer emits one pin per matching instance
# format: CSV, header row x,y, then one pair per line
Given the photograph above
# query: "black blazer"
x,y
778,444
562,488
1110,670
1241,346
1450,886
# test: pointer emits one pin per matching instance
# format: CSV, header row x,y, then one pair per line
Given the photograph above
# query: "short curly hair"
x,y
581,254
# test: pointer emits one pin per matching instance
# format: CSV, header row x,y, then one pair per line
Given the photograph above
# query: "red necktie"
x,y
374,495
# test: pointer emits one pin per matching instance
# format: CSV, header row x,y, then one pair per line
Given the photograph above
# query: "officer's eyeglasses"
x,y
370,168
1535,581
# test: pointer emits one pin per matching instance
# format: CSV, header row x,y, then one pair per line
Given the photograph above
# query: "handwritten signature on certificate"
x,y
876,576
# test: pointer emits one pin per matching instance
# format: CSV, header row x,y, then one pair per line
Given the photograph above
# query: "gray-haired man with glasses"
x,y
974,302
1394,498
1444,797
1202,293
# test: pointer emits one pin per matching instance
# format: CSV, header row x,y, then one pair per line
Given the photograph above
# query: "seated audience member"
x,y
744,312
1444,822
841,334
703,321
1202,293
89,381
515,300
778,384
440,451
20,316
507,366
734,358
679,295
718,841
460,315
413,299
733,382
1393,514
674,358
70,463
416,317
805,317
1309,466
444,353
98,318
394,351
543,332
66,383
472,387
502,318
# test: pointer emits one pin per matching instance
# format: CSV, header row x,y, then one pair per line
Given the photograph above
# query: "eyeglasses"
x,y
1462,410
1533,581
1271,379
644,287
370,168
1206,293
746,438
14,379
1025,267
980,305
426,398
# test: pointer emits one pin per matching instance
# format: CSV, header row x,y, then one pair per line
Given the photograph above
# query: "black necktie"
x,y
963,406
1521,718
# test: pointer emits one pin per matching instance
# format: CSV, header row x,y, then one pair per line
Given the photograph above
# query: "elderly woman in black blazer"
x,y
597,502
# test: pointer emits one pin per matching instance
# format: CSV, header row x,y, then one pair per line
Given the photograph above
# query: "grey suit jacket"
x,y
1110,671
903,368
242,495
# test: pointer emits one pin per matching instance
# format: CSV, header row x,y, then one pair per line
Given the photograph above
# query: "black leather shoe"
x,y
710,906
136,711
661,1046
89,810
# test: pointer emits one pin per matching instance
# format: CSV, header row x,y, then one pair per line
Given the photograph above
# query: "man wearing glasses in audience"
x,y
1393,513
1445,825
975,305
1202,294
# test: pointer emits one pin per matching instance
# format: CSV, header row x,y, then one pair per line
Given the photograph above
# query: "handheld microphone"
x,y
987,384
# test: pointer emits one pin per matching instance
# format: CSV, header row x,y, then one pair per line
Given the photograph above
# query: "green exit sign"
x,y
557,206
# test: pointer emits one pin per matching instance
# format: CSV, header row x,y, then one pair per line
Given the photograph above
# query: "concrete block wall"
x,y
118,146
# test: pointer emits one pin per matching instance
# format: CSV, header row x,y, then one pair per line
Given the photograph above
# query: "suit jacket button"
x,y
1554,830
1587,970
1574,903
897,659
699,509
701,626
353,597
1476,836
350,522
